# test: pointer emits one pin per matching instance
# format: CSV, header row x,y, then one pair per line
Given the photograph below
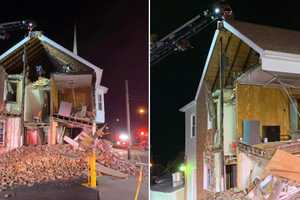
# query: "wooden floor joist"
x,y
9,114
35,125
249,149
73,121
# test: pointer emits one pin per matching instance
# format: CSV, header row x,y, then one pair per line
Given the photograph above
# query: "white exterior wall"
x,y
99,99
190,153
248,168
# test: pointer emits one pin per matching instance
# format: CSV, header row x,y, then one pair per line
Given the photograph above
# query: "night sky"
x,y
174,80
113,35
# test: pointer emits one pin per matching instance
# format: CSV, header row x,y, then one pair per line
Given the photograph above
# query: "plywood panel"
x,y
267,105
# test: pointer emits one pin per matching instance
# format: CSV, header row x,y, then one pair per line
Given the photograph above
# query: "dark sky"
x,y
174,80
111,34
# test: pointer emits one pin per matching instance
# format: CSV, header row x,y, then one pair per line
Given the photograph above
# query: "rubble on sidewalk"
x,y
232,194
28,165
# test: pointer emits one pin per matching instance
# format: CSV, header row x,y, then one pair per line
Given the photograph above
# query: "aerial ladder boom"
x,y
178,39
6,28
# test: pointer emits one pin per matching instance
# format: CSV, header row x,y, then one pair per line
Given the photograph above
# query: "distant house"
x,y
167,191
46,92
261,100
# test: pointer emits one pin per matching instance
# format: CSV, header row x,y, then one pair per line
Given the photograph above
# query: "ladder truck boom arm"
x,y
178,39
7,27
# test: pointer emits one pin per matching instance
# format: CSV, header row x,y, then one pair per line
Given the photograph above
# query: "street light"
x,y
141,111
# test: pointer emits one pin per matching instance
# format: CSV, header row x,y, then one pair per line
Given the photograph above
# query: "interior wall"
x,y
248,168
34,101
54,97
77,96
268,105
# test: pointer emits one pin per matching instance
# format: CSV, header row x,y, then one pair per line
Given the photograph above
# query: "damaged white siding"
x,y
190,149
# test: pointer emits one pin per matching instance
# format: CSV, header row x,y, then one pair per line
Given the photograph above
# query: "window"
x,y
193,125
12,91
2,130
100,102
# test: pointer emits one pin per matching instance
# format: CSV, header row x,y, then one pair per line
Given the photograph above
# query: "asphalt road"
x,y
51,191
121,189
108,188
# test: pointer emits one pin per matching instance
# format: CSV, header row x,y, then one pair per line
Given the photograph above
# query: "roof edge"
x,y
211,49
13,48
275,61
245,39
187,106
43,38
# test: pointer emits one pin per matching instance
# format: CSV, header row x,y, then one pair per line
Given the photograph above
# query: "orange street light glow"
x,y
141,111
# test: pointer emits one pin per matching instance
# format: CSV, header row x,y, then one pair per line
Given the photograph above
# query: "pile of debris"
x,y
232,194
280,180
45,163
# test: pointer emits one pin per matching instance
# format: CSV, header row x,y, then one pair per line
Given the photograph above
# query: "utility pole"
x,y
24,73
128,119
221,125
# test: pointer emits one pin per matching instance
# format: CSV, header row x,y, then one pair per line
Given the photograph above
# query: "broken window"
x,y
11,95
231,176
193,127
100,102
272,133
2,130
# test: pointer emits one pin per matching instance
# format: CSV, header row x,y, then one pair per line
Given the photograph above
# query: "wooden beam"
x,y
247,59
19,59
225,52
18,51
233,61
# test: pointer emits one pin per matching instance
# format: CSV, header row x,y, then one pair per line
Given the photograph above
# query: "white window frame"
x,y
100,101
193,125
3,132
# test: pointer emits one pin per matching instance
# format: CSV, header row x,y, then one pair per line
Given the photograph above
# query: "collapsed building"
x,y
261,100
47,92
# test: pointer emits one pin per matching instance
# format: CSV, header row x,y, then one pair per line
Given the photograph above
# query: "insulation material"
x,y
13,133
270,106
